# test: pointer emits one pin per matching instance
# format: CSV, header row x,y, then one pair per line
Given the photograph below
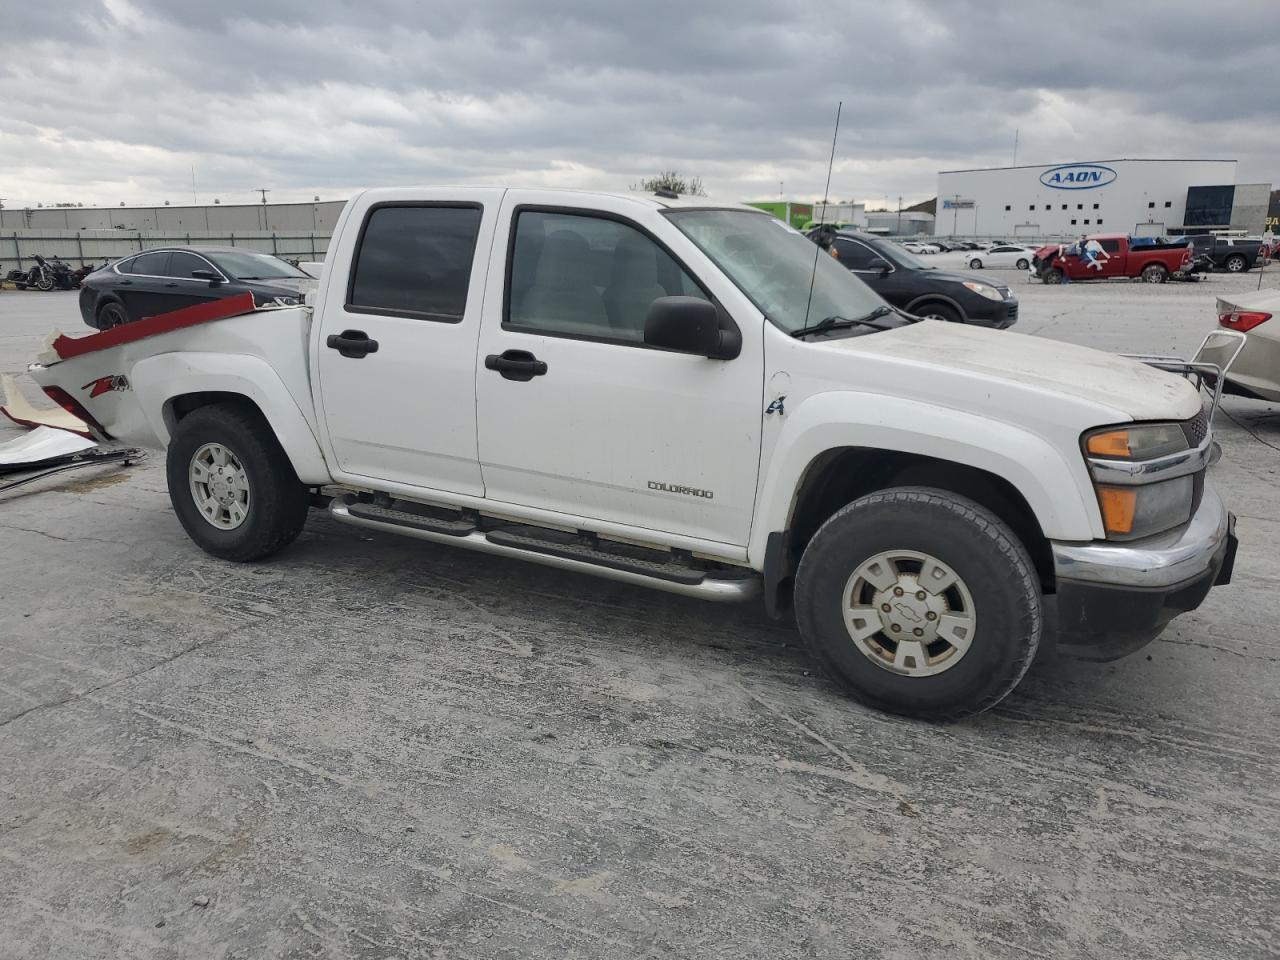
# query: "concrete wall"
x,y
225,218
94,246
1016,201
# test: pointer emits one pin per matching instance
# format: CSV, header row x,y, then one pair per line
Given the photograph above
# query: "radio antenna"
x,y
817,248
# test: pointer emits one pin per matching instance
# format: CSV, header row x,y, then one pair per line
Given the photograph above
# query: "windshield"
x,y
255,266
773,265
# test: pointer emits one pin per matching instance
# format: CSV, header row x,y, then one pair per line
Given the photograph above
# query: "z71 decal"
x,y
103,385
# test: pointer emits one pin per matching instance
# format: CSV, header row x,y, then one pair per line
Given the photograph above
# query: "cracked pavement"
x,y
372,747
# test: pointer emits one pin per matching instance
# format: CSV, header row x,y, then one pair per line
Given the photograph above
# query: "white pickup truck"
x,y
680,394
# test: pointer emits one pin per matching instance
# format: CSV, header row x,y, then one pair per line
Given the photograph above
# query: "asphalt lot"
x,y
373,747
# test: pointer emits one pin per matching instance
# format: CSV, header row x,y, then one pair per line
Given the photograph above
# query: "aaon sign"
x,y
1077,176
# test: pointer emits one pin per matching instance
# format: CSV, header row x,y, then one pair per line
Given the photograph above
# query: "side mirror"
x,y
213,278
690,325
880,266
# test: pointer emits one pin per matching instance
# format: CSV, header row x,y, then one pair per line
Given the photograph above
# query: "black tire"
x,y
44,284
21,286
278,501
1052,275
975,264
1236,263
1155,273
111,314
1022,264
938,311
960,533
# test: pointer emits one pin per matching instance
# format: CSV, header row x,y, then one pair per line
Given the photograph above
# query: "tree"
x,y
671,180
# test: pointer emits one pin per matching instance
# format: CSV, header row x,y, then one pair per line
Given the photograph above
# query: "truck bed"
x,y
107,373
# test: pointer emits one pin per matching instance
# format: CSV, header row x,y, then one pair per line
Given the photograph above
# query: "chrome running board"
x,y
502,542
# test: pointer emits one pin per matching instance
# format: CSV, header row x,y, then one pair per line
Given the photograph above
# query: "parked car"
x,y
923,290
1256,372
1001,255
1233,254
681,395
1110,255
170,278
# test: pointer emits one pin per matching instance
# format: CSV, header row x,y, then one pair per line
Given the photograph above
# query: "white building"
x,y
1142,197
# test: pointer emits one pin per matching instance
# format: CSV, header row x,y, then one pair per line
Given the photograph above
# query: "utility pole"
x,y
264,191
1015,146
899,215
955,213
193,187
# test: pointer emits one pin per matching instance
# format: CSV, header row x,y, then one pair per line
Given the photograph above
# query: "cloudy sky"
x,y
103,101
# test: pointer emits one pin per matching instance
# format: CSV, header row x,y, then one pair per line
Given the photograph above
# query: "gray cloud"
x,y
117,100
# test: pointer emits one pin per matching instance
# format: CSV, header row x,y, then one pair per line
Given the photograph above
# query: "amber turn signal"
x,y
1118,506
1113,443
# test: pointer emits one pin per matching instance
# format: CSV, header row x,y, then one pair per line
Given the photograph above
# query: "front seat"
x,y
561,297
633,286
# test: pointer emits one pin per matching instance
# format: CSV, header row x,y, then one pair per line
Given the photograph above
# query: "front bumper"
x,y
1115,598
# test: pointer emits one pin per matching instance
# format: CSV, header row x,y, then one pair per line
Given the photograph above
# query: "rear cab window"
x,y
415,260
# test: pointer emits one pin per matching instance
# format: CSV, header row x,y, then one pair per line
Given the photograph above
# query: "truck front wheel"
x,y
920,602
232,485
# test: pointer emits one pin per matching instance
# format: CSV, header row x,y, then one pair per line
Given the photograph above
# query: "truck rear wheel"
x,y
920,602
1155,273
1236,263
232,485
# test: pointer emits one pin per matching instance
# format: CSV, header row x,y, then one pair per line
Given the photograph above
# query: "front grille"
x,y
1197,428
1012,312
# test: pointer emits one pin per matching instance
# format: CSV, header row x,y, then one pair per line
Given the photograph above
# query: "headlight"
x,y
1141,441
1142,503
984,290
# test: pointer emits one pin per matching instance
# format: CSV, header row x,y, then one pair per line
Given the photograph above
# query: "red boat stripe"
x,y
68,347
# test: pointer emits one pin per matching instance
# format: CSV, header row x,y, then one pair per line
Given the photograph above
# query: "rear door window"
x,y
1111,246
415,261
151,264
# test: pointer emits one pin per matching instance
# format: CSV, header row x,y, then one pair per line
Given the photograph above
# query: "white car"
x,y
1001,255
914,246
679,395
1256,372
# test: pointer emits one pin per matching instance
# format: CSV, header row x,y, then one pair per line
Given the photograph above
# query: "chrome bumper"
x,y
1114,598
1165,560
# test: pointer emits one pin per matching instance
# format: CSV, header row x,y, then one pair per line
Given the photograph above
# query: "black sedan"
x,y
170,278
919,288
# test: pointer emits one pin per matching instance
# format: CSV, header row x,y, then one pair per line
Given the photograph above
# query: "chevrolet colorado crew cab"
x,y
684,395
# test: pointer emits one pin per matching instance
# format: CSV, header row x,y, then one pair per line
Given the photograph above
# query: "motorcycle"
x,y
45,275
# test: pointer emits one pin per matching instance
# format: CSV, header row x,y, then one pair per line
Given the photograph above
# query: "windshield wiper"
x,y
840,323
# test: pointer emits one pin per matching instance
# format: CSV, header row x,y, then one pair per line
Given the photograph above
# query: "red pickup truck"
x,y
1108,255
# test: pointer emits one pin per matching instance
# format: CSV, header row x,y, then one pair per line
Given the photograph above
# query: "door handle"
x,y
352,343
167,285
516,365
126,283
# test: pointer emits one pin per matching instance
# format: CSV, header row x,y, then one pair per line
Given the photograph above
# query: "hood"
x,y
946,276
1108,380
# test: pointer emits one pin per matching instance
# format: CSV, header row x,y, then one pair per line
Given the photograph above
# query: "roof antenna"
x,y
817,248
